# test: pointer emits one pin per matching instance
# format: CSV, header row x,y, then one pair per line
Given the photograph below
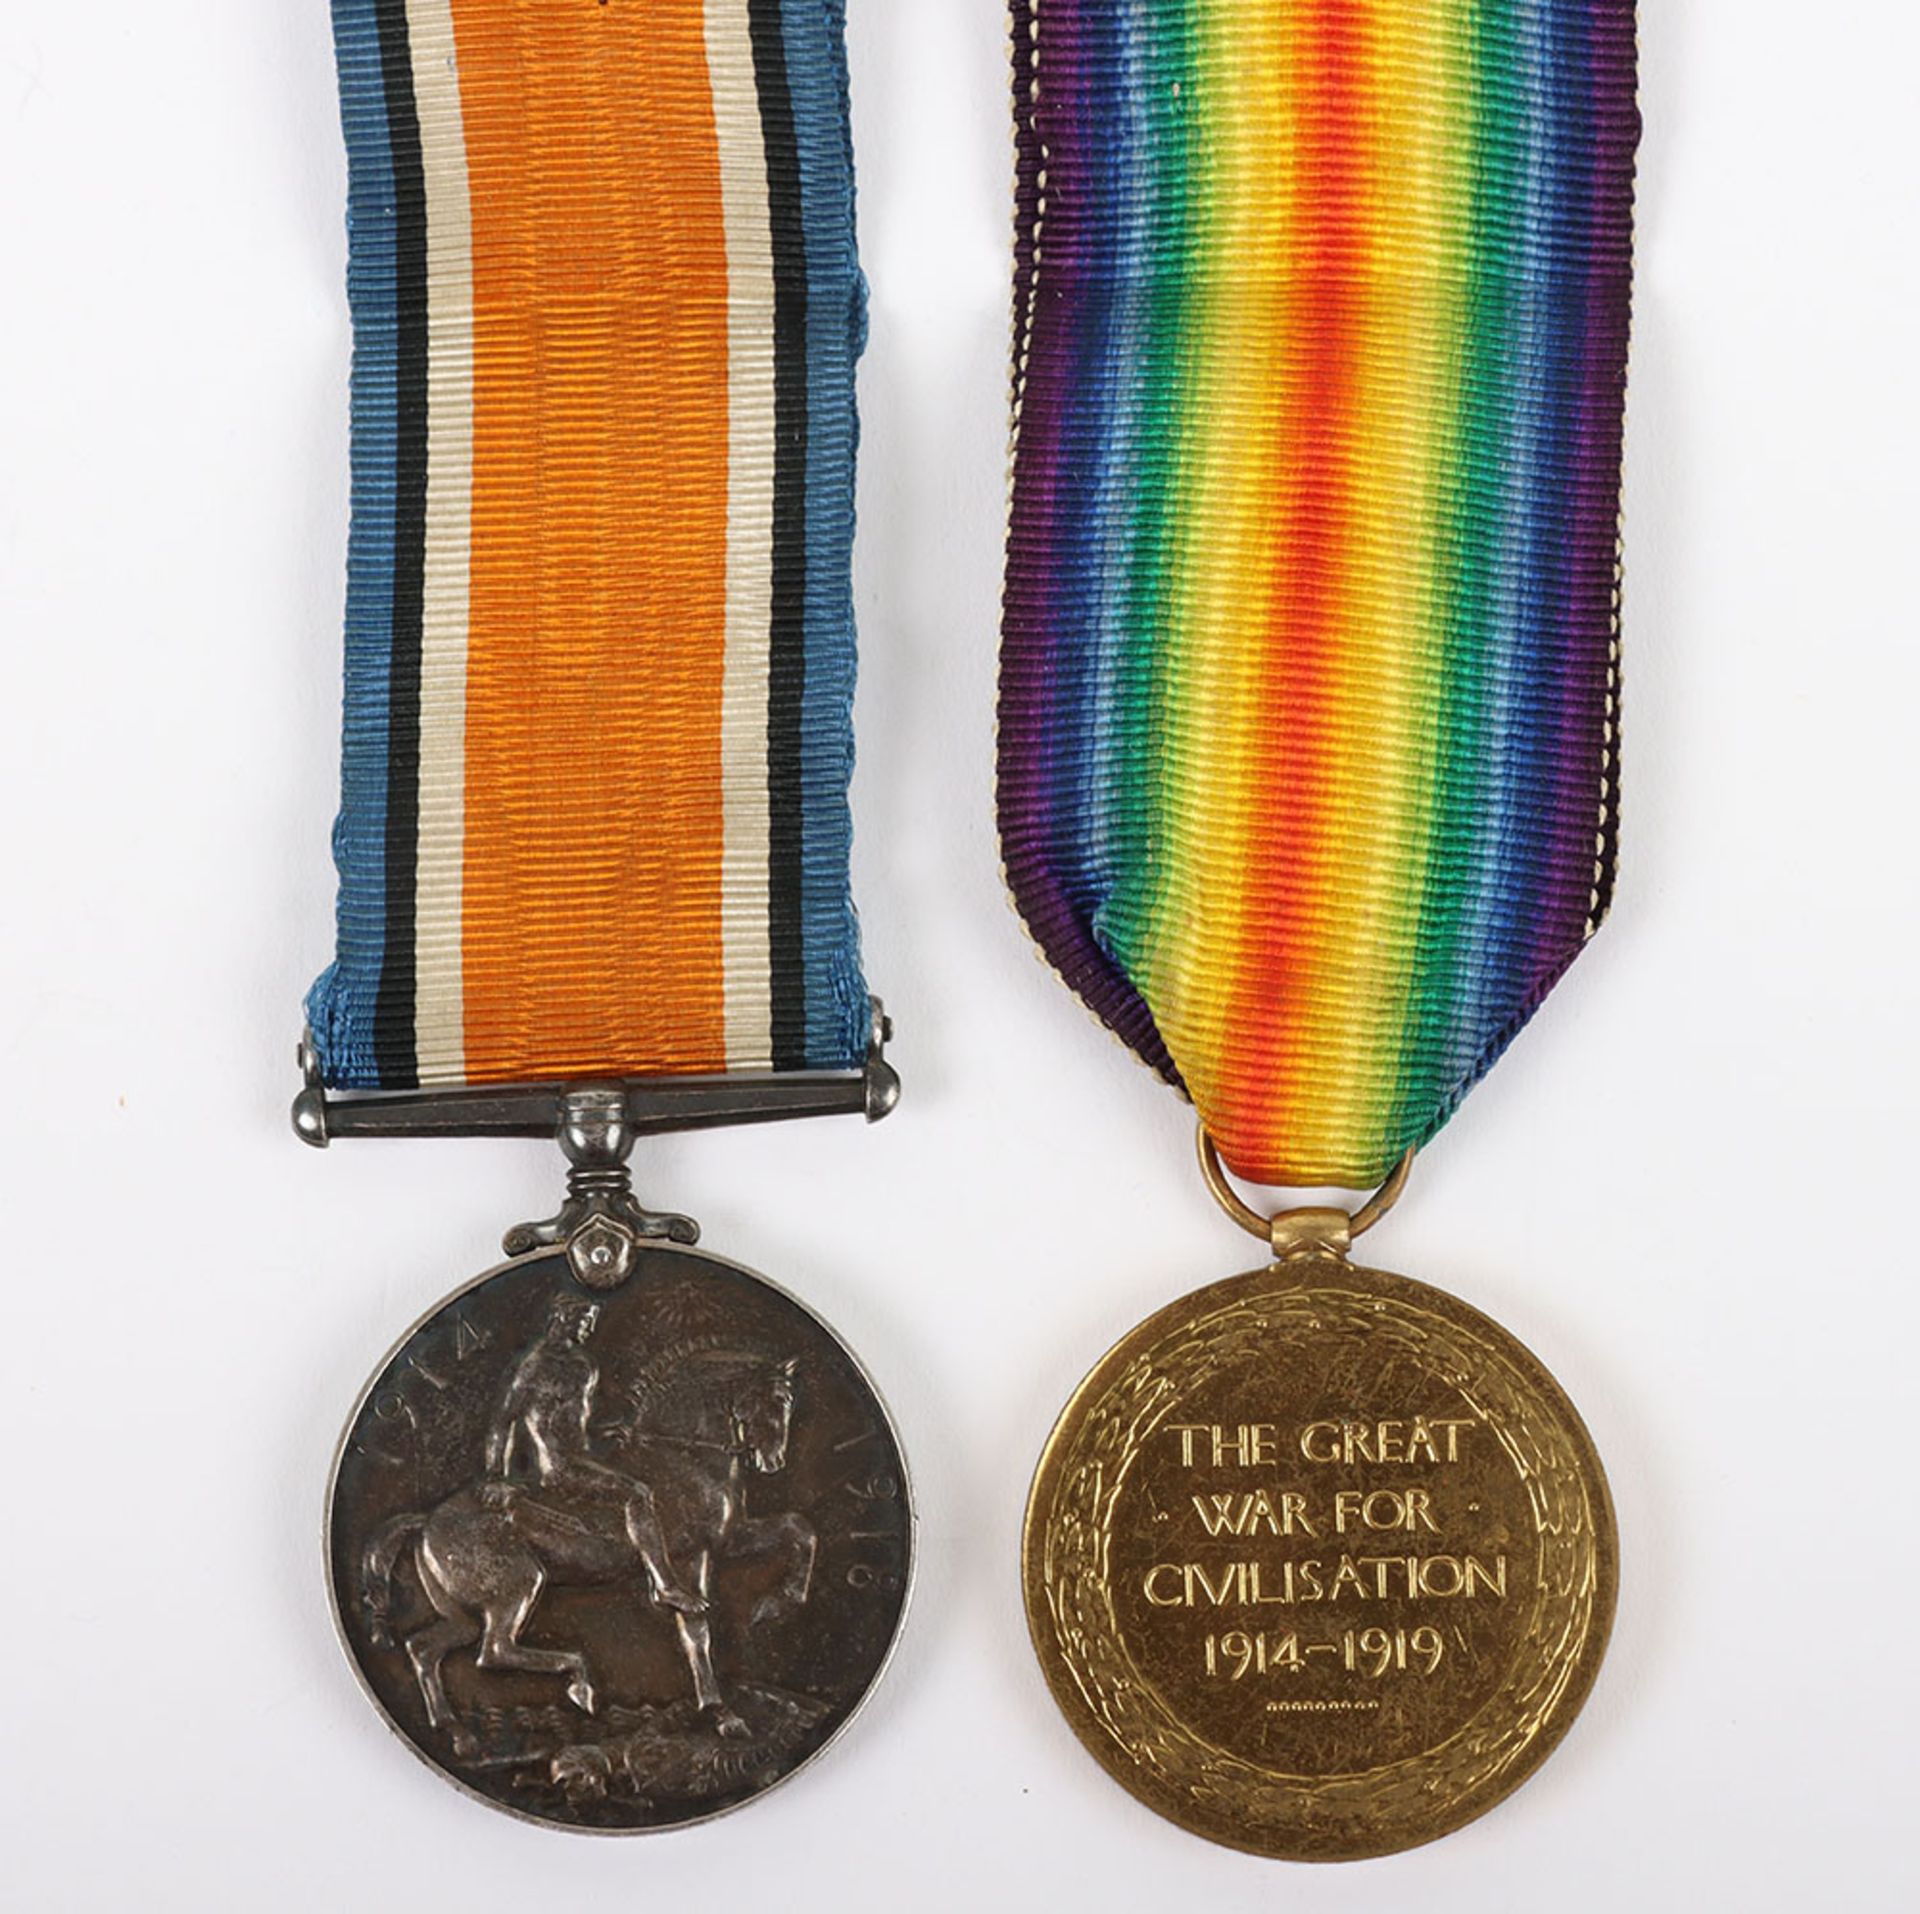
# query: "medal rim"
x,y
558,1254
1470,1805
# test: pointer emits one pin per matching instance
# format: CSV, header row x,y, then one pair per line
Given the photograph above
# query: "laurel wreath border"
x,y
1397,1804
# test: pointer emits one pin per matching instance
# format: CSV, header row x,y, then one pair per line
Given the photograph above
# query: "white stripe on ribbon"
x,y
439,994
745,857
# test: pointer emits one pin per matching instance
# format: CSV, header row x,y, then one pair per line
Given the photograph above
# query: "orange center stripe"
x,y
593,799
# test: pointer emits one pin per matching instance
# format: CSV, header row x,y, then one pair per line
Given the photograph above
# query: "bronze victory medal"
x,y
619,1559
1320,1562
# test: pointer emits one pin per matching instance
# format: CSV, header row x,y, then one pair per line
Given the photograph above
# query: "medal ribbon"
x,y
600,648
1308,761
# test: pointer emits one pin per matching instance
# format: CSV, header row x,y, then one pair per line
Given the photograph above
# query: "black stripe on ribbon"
x,y
395,1047
788,668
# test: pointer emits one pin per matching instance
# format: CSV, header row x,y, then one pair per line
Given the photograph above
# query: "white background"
x,y
1688,1187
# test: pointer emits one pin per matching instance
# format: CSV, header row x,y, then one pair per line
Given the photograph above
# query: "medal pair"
x,y
1308,781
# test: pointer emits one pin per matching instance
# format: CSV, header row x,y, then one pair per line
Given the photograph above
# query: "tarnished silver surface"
x,y
619,1560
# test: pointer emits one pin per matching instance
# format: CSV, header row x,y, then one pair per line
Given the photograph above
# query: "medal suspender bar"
x,y
593,854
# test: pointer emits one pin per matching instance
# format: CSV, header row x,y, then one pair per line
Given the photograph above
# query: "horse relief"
x,y
624,1557
646,1502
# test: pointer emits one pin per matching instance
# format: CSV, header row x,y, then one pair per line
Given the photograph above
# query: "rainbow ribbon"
x,y
600,644
1309,752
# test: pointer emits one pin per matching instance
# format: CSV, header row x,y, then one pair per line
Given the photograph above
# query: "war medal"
x,y
1307,786
620,1535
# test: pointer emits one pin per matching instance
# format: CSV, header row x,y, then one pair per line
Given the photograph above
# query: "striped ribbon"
x,y
600,646
1308,759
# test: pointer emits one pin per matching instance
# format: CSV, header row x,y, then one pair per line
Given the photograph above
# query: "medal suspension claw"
x,y
602,1223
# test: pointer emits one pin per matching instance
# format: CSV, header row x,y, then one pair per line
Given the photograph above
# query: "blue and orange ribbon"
x,y
600,644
